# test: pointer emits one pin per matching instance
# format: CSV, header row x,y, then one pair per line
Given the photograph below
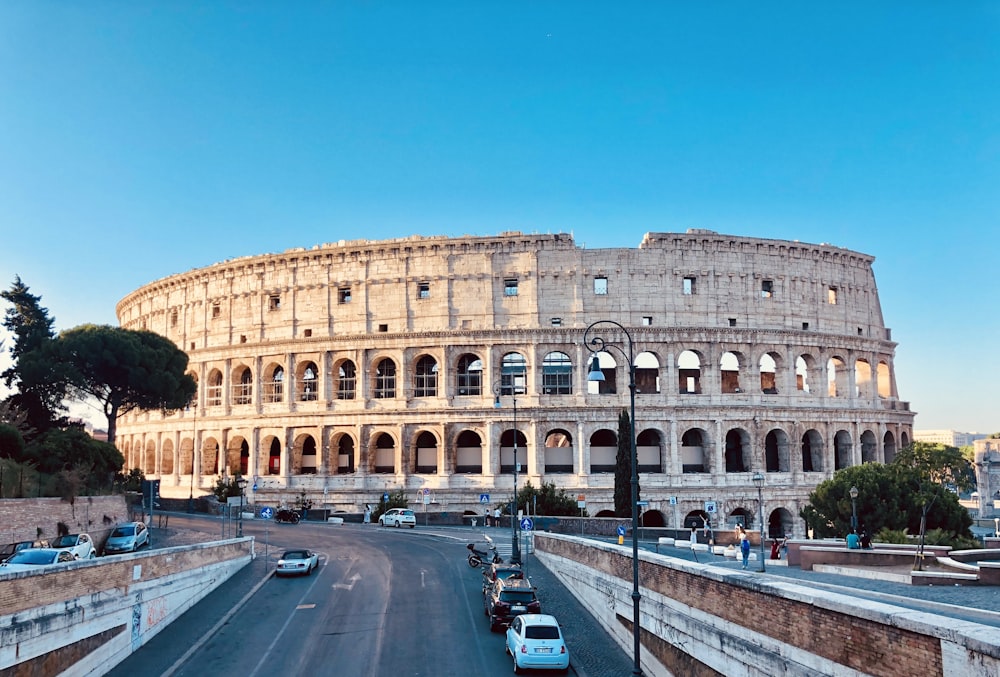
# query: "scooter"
x,y
477,557
286,516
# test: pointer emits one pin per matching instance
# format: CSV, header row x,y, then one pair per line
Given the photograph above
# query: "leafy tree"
x,y
39,385
623,467
72,448
132,481
226,487
11,442
547,500
938,464
397,499
124,370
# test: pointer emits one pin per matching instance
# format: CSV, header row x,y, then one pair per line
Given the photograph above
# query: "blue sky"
x,y
139,140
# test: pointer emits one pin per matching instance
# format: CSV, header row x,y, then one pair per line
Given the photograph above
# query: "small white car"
x,y
297,563
31,559
398,517
536,641
81,546
127,537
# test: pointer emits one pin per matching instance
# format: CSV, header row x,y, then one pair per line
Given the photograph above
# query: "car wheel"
x,y
413,526
398,524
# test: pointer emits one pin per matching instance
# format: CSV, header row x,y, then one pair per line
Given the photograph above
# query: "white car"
x,y
79,545
297,562
127,537
398,517
536,641
34,558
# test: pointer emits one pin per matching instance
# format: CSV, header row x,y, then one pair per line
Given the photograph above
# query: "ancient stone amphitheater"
x,y
425,364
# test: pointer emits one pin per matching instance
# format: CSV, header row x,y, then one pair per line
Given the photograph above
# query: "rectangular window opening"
x,y
766,288
216,310
309,332
647,320
601,286
274,302
805,325
510,287
423,290
556,321
344,295
688,286
383,328
831,296
732,321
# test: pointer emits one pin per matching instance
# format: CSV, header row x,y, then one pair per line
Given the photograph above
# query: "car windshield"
x,y
32,556
294,554
64,542
541,632
123,531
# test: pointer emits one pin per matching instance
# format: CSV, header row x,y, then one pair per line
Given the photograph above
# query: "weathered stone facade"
x,y
352,369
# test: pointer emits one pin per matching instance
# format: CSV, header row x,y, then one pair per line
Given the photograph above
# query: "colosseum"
x,y
441,366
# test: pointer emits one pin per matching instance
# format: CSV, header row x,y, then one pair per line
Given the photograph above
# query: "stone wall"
x,y
703,620
25,519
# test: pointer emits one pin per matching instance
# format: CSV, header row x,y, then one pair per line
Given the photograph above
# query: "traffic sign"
x,y
527,524
425,492
267,513
710,507
621,529
385,497
642,504
673,500
484,498
254,487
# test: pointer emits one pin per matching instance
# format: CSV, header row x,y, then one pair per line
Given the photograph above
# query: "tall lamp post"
x,y
515,544
758,480
854,509
194,444
598,344
242,484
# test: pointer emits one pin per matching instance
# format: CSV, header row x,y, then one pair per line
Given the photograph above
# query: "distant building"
x,y
987,465
951,438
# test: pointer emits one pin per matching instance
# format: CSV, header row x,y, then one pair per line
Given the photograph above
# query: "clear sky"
x,y
139,140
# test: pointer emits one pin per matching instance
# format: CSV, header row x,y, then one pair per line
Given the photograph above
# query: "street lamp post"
x,y
515,545
598,344
758,480
194,444
242,484
854,509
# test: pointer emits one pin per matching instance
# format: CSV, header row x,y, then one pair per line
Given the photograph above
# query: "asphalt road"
x,y
384,602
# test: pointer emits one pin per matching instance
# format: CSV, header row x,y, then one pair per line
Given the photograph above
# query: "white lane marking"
x,y
348,586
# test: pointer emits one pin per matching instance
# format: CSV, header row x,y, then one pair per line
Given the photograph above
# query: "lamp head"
x,y
496,402
595,374
854,492
758,479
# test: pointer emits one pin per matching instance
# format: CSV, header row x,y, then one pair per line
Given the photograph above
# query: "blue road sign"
x,y
267,513
527,524
385,497
254,486
621,530
484,498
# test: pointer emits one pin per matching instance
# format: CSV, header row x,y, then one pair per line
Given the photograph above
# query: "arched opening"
x,y
244,458
469,452
233,462
213,394
649,451
804,364
603,451
776,451
558,452
150,465
843,449
346,462
729,367
696,519
694,458
167,462
347,380
862,379
210,456
385,380
869,447
425,377
780,523
274,456
884,381
304,454
740,517
385,454
836,377
689,373
647,373
513,374
426,453
509,444
308,384
812,451
768,373
889,446
469,375
274,383
737,451
557,374
652,519
186,456
609,367
242,385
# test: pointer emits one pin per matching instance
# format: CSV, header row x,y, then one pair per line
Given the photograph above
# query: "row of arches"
x,y
467,452
558,374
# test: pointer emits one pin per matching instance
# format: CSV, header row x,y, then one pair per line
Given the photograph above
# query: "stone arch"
x,y
603,451
805,368
738,451
862,378
812,451
242,385
270,455
513,374
888,446
185,457
557,374
273,383
729,368
904,440
213,393
558,451
384,379
780,523
869,447
509,443
608,365
836,377
649,451
740,517
347,462
652,519
689,372
776,455
425,453
149,467
167,460
843,450
425,377
884,380
307,381
384,456
769,365
469,452
469,375
209,456
695,456
696,519
304,457
236,463
346,375
647,373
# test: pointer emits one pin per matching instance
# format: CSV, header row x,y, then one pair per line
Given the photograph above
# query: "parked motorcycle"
x,y
477,557
286,516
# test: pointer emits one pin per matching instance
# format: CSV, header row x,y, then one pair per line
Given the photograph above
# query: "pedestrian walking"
x,y
744,547
496,517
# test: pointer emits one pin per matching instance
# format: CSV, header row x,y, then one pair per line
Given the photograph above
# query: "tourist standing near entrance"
x,y
744,547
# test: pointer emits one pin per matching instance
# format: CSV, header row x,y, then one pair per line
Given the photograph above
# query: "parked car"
x,y
127,537
33,558
398,517
79,545
492,572
508,598
297,562
536,641
11,548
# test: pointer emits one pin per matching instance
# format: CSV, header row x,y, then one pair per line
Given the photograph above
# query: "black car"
x,y
507,598
493,572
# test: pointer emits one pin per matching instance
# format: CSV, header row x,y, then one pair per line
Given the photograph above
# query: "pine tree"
x,y
623,467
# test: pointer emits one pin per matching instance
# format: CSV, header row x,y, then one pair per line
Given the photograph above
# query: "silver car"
x,y
127,537
297,563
